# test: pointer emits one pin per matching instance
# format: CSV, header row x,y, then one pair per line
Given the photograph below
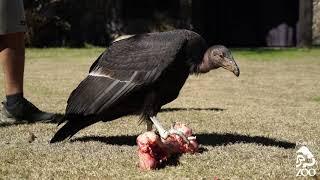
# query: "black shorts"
x,y
12,17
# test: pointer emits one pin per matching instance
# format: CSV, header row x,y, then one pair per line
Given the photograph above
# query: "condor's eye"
x,y
224,54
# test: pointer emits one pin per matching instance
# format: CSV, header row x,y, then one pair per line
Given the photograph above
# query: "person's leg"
x,y
12,28
12,58
12,55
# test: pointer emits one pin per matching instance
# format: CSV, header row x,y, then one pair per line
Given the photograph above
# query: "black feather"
x,y
134,76
69,129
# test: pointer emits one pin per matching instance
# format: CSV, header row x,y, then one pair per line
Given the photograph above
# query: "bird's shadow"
x,y
191,109
58,117
205,139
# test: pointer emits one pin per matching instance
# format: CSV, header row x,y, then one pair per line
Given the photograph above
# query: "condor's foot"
x,y
165,134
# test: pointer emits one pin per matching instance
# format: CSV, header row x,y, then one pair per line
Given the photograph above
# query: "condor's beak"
x,y
231,65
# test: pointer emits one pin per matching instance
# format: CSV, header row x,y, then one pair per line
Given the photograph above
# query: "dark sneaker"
x,y
25,111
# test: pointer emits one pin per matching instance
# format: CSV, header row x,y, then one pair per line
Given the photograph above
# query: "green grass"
x,y
268,54
317,98
248,126
264,54
62,53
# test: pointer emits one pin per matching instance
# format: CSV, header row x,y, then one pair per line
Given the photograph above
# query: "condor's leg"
x,y
152,106
149,125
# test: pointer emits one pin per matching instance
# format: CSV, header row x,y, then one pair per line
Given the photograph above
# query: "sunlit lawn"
x,y
248,126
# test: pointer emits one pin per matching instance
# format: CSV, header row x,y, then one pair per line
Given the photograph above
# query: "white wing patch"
x,y
97,74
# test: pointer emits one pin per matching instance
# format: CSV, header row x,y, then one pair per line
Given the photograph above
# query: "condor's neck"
x,y
202,67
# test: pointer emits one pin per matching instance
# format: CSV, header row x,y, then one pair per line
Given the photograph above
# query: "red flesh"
x,y
152,150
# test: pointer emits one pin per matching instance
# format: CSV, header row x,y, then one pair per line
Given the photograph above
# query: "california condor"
x,y
139,75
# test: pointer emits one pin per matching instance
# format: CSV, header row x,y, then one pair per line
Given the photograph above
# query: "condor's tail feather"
x,y
69,129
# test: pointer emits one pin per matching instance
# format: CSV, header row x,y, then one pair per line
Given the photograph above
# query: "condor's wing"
x,y
127,66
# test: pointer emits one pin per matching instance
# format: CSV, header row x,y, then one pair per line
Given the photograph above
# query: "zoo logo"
x,y
305,162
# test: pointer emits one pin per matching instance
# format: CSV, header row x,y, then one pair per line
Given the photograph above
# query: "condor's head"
x,y
216,57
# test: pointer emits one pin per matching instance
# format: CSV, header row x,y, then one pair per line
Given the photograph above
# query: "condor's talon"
x,y
190,138
172,125
179,133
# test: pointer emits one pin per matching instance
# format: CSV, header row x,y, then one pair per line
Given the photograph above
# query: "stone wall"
x,y
316,22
